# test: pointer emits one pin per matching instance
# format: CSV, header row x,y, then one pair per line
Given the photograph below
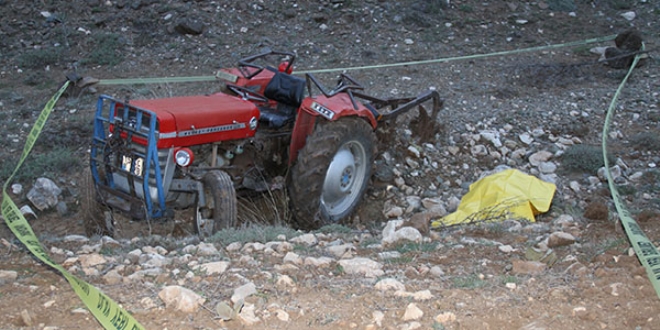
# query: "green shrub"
x,y
68,136
582,50
646,141
562,5
33,79
39,58
438,326
651,177
584,158
334,228
510,279
415,247
653,116
626,190
621,4
466,8
52,164
261,234
399,260
468,282
107,50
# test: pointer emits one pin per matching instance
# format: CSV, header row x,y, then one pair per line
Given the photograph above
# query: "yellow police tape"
x,y
646,252
106,311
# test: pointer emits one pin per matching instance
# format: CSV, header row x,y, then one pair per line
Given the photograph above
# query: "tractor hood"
x,y
193,120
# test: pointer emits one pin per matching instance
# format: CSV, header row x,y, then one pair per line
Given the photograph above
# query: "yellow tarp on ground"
x,y
509,194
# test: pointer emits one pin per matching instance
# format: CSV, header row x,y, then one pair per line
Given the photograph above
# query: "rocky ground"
x,y
539,112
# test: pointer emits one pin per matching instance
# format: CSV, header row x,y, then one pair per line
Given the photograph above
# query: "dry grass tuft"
x,y
94,215
270,208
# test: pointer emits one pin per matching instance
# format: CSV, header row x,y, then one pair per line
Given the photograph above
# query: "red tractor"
x,y
265,129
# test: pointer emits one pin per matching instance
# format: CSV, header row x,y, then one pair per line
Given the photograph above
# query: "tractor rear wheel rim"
x,y
344,178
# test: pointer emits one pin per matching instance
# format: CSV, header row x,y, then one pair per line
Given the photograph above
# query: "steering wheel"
x,y
247,94
242,67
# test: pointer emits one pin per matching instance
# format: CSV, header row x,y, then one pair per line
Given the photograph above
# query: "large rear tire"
x,y
219,210
332,172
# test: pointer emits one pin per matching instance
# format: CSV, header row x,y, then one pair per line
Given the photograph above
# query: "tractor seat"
x,y
286,89
288,92
277,117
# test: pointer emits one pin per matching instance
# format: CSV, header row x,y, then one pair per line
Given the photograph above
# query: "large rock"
x,y
318,262
202,249
188,26
445,318
492,136
213,268
420,221
547,167
539,157
253,247
285,281
113,277
153,260
75,239
614,170
292,258
394,212
435,205
44,194
364,266
392,235
419,295
91,260
8,276
343,251
412,313
243,292
280,247
247,315
390,284
560,238
181,298
307,239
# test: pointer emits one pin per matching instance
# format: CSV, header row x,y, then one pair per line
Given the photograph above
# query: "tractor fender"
x,y
319,108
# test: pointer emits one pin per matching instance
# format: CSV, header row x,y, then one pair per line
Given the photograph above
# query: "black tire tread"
x,y
224,199
307,175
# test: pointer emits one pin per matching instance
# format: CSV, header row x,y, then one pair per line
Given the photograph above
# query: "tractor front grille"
x,y
129,165
125,161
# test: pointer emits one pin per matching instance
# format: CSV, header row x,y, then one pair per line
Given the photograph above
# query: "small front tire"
x,y
218,210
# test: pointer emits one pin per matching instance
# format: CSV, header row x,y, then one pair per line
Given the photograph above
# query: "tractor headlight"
x,y
253,123
184,157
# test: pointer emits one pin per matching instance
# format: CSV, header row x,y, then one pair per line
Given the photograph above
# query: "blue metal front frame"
x,y
108,111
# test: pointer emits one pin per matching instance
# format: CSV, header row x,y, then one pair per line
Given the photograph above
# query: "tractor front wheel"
x,y
332,172
218,208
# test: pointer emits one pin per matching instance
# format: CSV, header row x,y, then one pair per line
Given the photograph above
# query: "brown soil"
x,y
595,284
